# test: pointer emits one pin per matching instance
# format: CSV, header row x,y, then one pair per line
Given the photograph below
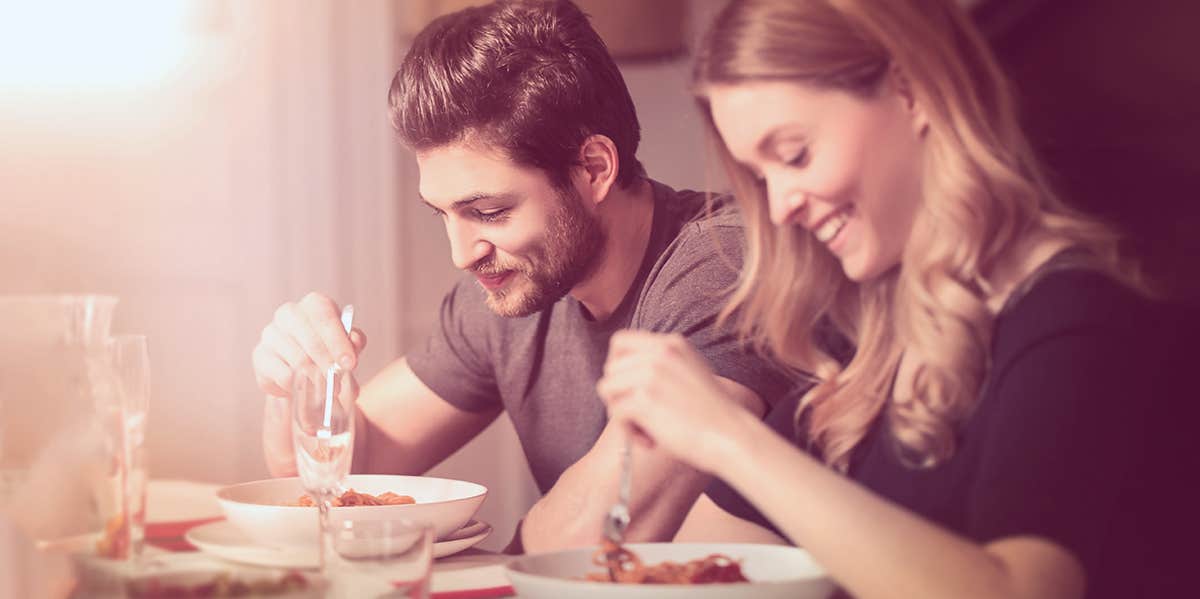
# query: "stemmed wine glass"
x,y
323,431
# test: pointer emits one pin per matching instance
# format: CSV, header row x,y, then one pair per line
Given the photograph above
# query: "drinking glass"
x,y
129,359
47,406
323,433
120,382
378,558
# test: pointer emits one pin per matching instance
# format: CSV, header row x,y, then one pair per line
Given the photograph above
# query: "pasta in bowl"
x,y
673,570
270,511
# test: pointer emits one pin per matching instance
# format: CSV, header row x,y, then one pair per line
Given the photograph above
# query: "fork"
x,y
618,515
334,369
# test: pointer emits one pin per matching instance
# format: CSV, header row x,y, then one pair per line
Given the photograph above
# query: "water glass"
x,y
323,433
131,363
122,383
378,558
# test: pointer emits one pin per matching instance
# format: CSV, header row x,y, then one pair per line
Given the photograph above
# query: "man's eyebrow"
x,y
475,197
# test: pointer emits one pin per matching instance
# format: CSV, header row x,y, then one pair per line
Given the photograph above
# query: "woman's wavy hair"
x,y
982,192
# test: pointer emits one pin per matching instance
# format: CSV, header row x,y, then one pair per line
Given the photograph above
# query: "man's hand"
x,y
307,332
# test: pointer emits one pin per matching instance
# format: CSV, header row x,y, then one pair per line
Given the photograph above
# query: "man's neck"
x,y
626,215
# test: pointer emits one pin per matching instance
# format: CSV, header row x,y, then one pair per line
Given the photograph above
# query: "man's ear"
x,y
600,164
902,87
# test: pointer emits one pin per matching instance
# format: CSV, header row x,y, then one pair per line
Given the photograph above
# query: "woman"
x,y
989,436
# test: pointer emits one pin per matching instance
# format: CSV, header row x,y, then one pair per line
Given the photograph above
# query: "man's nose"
x,y
466,248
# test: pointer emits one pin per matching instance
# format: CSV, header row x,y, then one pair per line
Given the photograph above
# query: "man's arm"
x,y
663,490
401,427
708,523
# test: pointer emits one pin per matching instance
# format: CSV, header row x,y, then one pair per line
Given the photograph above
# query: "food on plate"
x,y
353,498
221,585
627,568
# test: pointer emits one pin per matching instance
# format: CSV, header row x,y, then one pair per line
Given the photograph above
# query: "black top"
x,y
1076,438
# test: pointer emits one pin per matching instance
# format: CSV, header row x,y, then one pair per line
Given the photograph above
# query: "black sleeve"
x,y
1064,439
455,361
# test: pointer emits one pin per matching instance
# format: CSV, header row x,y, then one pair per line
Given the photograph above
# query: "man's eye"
x,y
492,215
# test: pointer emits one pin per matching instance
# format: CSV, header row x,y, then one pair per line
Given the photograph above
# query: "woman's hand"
x,y
666,392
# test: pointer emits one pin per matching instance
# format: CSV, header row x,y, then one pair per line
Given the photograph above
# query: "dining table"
x,y
173,507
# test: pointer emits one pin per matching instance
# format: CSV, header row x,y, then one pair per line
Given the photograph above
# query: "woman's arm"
x,y
874,548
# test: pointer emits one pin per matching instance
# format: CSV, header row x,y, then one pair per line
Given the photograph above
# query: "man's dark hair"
x,y
531,78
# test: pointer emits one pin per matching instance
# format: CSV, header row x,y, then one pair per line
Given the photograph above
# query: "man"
x,y
525,138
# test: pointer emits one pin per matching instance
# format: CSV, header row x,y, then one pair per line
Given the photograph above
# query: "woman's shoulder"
x,y
1083,337
1075,302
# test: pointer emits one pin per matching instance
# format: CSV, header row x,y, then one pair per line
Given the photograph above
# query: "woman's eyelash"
x,y
798,159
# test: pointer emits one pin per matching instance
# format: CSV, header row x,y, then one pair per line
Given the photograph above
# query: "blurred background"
x,y
206,160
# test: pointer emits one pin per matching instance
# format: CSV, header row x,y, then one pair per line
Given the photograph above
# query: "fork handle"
x,y
626,470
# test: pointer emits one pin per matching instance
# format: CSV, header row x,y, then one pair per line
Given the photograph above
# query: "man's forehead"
x,y
455,172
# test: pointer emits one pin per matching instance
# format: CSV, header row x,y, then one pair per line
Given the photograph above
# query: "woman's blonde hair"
x,y
982,192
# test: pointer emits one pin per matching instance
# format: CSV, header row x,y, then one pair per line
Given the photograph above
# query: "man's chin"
x,y
507,308
515,303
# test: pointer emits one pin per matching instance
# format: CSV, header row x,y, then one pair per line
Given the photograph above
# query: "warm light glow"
x,y
81,46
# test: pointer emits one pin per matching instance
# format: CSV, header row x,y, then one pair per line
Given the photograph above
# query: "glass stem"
x,y
323,508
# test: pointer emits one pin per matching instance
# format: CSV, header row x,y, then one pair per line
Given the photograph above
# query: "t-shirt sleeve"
x,y
686,295
1064,438
454,361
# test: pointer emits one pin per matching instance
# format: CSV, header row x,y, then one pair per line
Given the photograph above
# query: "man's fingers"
x,y
326,321
292,322
359,339
273,376
274,340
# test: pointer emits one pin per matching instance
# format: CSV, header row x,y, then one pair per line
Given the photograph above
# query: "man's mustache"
x,y
491,268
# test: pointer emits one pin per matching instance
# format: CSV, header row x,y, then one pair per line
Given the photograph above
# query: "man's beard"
x,y
573,247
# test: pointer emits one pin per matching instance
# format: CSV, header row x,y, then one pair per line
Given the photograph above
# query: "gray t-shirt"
x,y
543,368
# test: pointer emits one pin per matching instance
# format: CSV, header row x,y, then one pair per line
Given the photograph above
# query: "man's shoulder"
x,y
696,210
699,219
702,258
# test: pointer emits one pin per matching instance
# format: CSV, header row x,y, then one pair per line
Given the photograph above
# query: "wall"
x,y
215,158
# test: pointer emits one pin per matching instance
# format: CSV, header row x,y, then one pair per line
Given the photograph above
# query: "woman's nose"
x,y
786,205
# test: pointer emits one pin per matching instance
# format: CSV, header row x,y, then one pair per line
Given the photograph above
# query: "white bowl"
x,y
260,509
775,572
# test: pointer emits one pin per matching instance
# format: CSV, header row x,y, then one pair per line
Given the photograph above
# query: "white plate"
x,y
225,540
261,508
775,572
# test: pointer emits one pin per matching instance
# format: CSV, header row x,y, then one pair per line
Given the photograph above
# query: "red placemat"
x,y
489,593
